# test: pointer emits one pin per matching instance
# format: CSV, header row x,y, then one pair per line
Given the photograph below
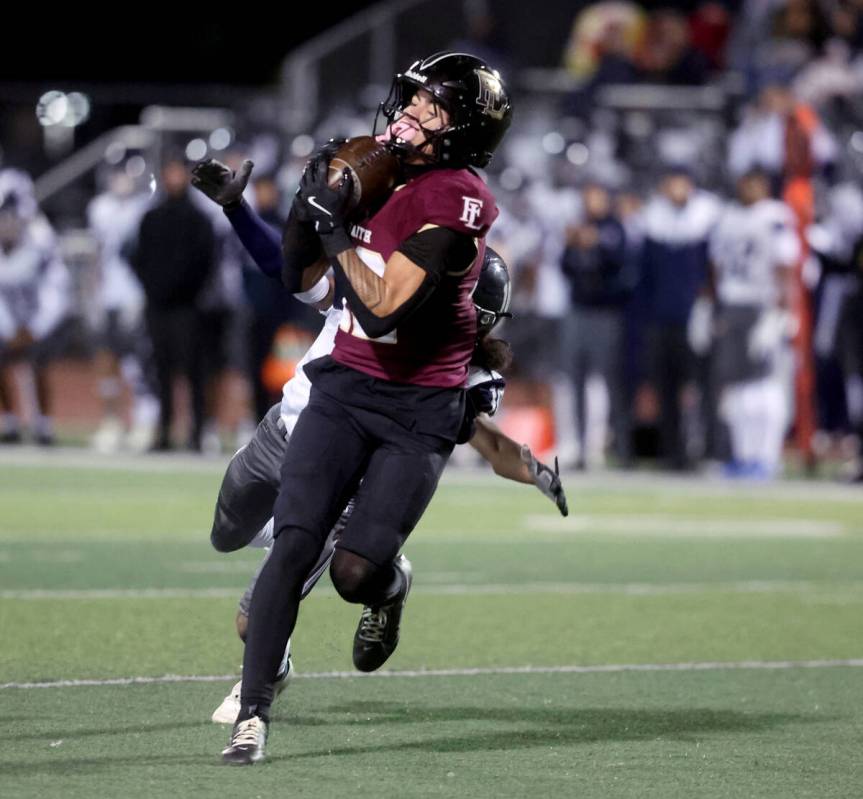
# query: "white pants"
x,y
757,414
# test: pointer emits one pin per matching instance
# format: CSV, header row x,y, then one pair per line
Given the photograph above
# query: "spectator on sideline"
x,y
173,258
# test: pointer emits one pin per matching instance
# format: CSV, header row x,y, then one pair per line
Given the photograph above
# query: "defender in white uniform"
x,y
34,301
753,251
114,218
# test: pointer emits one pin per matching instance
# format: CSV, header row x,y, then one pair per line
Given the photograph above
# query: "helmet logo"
x,y
419,78
470,212
491,98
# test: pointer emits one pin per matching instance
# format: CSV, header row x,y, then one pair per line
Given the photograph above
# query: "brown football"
x,y
375,172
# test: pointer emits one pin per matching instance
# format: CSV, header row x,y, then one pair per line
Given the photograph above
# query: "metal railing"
x,y
155,121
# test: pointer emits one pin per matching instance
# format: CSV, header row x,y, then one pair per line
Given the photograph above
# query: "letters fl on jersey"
x,y
433,346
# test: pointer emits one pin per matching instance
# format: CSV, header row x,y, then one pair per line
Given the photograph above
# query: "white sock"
x,y
596,420
775,418
283,666
732,410
264,537
753,423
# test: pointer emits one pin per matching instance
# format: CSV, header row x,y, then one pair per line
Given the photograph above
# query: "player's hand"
x,y
219,182
327,151
545,479
699,329
326,207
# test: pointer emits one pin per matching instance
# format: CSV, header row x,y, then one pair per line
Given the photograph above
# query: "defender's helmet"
x,y
492,294
474,96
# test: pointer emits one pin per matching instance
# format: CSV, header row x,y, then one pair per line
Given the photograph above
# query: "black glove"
x,y
298,207
545,479
326,207
220,183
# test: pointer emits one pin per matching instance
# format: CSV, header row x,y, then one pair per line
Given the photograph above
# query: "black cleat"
x,y
377,635
247,743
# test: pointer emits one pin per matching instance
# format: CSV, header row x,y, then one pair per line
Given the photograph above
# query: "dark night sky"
x,y
244,46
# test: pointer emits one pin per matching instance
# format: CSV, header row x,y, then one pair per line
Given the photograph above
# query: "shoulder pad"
x,y
459,200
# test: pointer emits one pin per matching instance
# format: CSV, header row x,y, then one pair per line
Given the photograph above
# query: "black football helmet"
x,y
492,294
473,94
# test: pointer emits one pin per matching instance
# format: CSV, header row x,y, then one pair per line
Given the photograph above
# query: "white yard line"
x,y
808,587
660,526
797,490
612,668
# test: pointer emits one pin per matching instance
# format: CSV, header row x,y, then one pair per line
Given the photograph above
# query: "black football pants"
x,y
333,446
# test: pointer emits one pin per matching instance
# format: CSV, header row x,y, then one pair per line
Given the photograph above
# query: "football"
x,y
374,169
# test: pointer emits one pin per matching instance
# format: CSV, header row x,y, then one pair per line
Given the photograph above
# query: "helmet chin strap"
x,y
403,148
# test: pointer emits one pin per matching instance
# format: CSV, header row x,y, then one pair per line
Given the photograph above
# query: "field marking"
x,y
611,668
466,477
658,526
808,587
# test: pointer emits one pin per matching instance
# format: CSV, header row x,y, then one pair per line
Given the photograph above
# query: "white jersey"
x,y
114,219
34,285
295,393
552,210
747,247
680,226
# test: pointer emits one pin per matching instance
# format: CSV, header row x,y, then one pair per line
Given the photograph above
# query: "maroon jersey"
x,y
433,345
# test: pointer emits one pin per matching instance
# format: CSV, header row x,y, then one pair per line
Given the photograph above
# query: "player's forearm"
x,y
380,305
304,261
502,453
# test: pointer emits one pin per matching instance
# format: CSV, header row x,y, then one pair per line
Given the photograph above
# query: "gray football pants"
x,y
247,494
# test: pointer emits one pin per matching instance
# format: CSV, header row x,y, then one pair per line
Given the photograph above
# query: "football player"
x,y
387,405
114,217
34,302
753,251
251,481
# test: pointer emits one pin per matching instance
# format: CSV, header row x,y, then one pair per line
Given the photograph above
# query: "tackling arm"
x,y
516,462
502,452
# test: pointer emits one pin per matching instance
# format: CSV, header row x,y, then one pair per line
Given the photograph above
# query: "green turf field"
x,y
670,639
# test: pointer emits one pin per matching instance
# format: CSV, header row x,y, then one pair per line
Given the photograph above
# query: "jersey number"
x,y
349,324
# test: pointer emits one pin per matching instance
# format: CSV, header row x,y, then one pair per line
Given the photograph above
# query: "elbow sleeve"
x,y
301,247
377,326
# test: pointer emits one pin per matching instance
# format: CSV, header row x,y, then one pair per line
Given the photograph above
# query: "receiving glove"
x,y
324,206
545,479
298,206
220,183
